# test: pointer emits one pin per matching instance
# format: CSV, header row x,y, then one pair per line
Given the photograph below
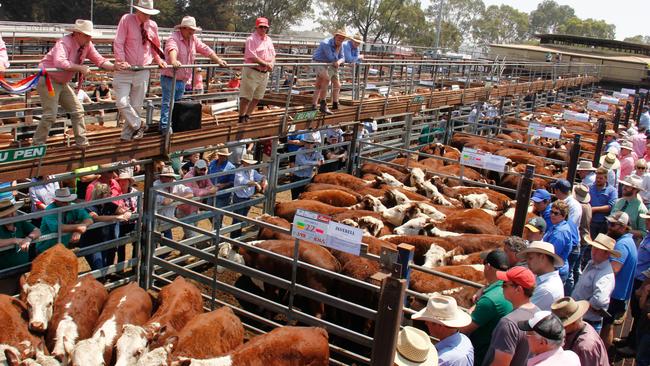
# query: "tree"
x,y
370,18
638,39
500,24
281,13
588,28
213,14
459,14
548,16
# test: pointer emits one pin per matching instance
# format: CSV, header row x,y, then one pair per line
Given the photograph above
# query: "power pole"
x,y
439,26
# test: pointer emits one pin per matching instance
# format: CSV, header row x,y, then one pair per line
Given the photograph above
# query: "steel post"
x,y
599,143
523,197
389,315
573,159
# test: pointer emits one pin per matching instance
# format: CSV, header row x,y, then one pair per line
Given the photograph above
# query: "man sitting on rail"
x,y
330,51
136,44
68,54
180,49
258,50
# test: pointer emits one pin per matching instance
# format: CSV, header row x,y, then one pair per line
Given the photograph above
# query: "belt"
x,y
260,71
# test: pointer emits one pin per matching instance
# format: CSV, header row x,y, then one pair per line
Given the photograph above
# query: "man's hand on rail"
x,y
176,63
162,64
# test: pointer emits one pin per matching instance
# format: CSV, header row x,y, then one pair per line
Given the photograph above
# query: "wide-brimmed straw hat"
x,y
84,26
610,133
168,172
188,22
249,159
146,6
585,165
627,145
310,139
603,242
569,310
224,151
414,347
64,195
340,32
633,181
357,38
581,193
443,310
542,247
126,175
7,207
609,161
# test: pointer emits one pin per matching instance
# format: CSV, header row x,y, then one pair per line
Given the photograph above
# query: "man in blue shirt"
x,y
222,164
308,160
610,140
603,198
644,119
330,51
351,49
623,267
542,206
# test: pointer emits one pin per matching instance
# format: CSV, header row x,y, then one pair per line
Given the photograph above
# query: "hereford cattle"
x,y
370,225
471,221
268,234
75,315
376,169
370,203
51,271
348,181
296,346
429,189
427,283
411,163
314,187
313,254
287,210
502,201
41,360
439,149
210,335
128,304
398,214
333,197
472,258
15,334
179,302
468,174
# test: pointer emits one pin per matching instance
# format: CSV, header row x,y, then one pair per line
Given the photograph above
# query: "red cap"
x,y
261,21
521,276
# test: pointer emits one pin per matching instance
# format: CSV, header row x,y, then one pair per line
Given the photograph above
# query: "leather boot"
x,y
324,109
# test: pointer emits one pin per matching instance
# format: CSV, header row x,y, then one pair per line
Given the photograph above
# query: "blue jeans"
x,y
574,272
166,85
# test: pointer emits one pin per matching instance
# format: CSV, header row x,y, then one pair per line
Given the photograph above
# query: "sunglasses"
x,y
556,213
263,27
640,168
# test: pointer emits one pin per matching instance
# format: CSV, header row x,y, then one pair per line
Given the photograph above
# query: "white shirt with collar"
x,y
575,210
548,288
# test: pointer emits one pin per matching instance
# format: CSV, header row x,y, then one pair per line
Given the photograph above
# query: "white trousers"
x,y
130,89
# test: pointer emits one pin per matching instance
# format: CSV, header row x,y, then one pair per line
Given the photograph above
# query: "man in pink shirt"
x,y
180,49
68,54
259,50
627,157
4,58
136,44
639,142
545,335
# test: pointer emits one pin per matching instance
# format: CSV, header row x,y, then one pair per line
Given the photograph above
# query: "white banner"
x,y
620,95
608,100
320,229
593,105
628,91
575,116
482,160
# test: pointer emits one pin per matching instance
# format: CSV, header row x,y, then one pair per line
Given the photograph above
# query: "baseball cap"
x,y
562,185
541,195
544,323
619,217
536,225
518,275
497,259
261,21
201,164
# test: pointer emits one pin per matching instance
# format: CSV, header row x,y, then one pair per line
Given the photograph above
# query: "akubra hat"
x,y
569,310
7,207
581,193
542,247
443,310
146,6
188,22
414,347
610,161
603,242
64,195
249,159
85,27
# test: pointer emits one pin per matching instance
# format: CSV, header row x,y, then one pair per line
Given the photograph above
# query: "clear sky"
x,y
631,17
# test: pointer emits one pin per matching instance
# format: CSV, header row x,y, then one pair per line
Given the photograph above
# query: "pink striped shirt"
x,y
65,53
185,53
260,47
4,58
128,45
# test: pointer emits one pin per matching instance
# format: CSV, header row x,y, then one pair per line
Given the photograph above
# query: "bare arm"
x,y
501,358
469,329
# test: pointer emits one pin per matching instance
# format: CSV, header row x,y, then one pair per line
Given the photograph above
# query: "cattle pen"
x,y
414,104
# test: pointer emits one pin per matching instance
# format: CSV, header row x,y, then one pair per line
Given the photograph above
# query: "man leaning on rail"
x,y
68,54
180,49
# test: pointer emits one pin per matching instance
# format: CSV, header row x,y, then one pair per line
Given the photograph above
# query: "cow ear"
x,y
21,307
154,297
13,359
24,286
171,342
57,287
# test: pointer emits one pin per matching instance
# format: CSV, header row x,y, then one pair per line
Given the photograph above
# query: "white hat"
x,y
603,242
85,27
609,161
414,347
201,164
542,247
249,159
168,172
64,195
619,217
443,310
633,181
146,6
188,22
585,165
627,145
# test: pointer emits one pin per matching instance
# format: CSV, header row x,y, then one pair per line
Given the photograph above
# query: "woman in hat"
x,y
19,234
641,170
69,54
181,49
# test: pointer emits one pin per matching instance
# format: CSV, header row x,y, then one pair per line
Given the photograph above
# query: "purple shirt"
x,y
588,345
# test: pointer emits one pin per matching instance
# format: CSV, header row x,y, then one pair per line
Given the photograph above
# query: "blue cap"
x,y
562,185
541,195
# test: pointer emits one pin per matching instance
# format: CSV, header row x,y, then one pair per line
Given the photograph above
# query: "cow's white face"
x,y
43,360
227,251
40,302
157,357
89,352
389,180
435,256
395,215
132,344
66,337
9,355
432,212
412,227
370,225
400,198
417,177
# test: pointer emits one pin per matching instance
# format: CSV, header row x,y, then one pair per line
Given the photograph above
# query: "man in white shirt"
x,y
562,190
248,183
542,261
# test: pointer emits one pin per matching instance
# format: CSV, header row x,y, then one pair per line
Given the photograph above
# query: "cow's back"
x,y
285,346
210,335
83,303
180,302
56,265
130,304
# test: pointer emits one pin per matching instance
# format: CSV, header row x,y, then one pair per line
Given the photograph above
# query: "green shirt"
x,y
11,258
50,225
489,309
632,208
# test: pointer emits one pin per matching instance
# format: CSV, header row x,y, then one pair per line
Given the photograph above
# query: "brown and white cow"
x,y
297,346
334,197
287,210
75,316
179,302
51,271
15,336
128,304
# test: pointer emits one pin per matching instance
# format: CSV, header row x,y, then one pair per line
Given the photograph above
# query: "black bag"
x,y
186,116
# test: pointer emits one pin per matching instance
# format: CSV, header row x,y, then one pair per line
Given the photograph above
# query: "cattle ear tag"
x,y
171,342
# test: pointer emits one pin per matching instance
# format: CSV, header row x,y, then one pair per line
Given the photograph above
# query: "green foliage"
x,y
548,16
459,16
641,39
588,28
282,14
213,14
500,24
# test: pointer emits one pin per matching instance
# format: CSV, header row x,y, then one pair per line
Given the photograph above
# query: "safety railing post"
x,y
617,119
274,167
294,276
285,116
523,197
408,127
168,131
600,142
389,315
363,92
354,146
573,159
390,86
149,245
